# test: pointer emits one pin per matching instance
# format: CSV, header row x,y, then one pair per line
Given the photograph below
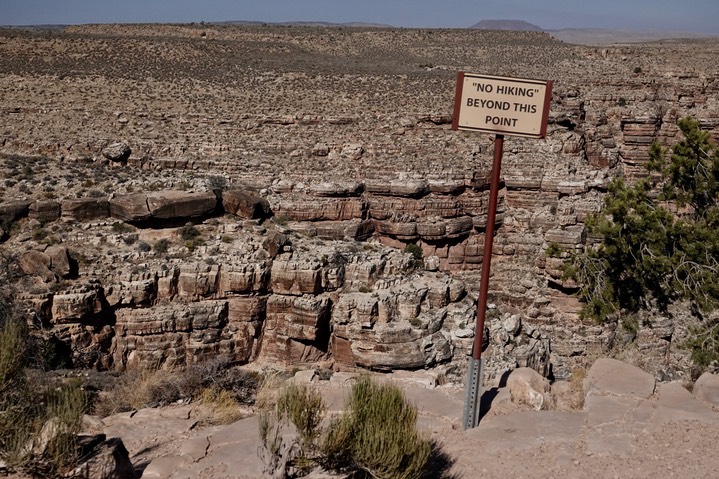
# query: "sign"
x,y
502,105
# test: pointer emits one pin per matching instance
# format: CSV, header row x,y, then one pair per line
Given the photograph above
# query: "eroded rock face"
x,y
376,163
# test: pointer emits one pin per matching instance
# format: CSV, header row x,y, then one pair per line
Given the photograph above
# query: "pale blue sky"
x,y
687,15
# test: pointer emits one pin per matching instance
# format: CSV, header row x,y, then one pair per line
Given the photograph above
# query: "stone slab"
x,y
528,429
609,376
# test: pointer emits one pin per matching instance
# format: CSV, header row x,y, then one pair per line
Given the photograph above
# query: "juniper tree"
x,y
649,255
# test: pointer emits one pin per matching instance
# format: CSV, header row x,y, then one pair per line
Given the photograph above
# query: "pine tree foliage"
x,y
659,239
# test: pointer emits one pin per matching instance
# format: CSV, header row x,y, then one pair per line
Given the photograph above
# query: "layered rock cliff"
x,y
343,135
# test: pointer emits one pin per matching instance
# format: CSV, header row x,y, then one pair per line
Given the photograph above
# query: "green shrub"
x,y
649,256
378,434
375,437
120,227
194,243
65,408
38,423
305,408
217,182
161,246
188,232
554,250
39,234
416,252
703,343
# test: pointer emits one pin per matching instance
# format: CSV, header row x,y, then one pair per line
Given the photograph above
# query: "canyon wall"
x,y
343,137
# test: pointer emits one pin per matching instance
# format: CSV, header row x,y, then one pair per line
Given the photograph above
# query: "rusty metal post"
x,y
475,367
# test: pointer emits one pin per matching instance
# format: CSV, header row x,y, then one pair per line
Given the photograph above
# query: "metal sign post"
x,y
475,367
503,106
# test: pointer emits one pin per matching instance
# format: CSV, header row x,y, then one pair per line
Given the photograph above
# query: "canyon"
x,y
179,193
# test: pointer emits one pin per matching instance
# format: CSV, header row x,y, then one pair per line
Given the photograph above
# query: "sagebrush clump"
x,y
375,437
38,423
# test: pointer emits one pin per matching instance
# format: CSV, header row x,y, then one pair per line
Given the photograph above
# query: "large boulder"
x,y
244,278
45,211
13,210
118,151
60,261
245,204
36,263
130,208
181,204
527,386
85,208
309,208
76,307
706,388
296,276
611,377
296,329
104,459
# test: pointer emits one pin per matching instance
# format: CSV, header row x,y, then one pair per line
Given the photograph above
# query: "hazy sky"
x,y
686,15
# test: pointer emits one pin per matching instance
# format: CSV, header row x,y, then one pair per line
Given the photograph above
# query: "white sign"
x,y
502,105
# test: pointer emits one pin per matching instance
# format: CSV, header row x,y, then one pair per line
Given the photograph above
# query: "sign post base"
x,y
473,398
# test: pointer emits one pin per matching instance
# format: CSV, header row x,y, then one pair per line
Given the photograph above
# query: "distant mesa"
x,y
306,24
517,25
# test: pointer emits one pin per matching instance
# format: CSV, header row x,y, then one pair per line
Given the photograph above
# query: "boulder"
x,y
197,280
402,188
385,347
85,208
309,208
358,230
244,278
141,292
569,236
130,208
181,204
275,243
14,210
245,204
44,211
118,151
60,262
304,318
528,387
337,189
611,377
296,329
706,388
36,263
104,459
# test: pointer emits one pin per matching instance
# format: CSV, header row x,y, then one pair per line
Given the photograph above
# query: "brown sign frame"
x,y
460,106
